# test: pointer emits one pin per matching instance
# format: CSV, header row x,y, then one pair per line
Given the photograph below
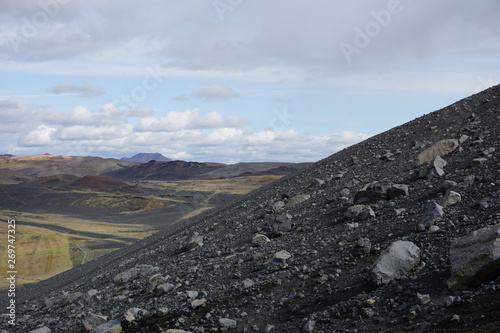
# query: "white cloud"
x,y
216,92
8,104
85,89
175,121
182,98
39,137
192,135
92,133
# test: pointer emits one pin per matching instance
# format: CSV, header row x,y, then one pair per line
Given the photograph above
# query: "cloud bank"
x,y
190,134
85,89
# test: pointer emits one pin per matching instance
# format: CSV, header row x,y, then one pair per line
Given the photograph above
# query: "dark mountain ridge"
x,y
304,255
171,171
146,157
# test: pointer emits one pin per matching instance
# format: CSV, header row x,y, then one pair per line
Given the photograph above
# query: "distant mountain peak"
x,y
146,157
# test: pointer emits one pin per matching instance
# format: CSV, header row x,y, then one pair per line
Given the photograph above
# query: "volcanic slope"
x,y
298,255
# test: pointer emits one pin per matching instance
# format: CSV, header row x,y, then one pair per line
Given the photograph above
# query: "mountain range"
x,y
51,165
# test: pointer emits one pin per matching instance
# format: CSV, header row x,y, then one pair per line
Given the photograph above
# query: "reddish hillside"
x,y
57,181
6,174
50,165
98,183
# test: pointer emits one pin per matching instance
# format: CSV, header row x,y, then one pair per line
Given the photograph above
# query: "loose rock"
x,y
112,326
396,261
451,198
433,213
440,148
92,321
42,330
359,212
475,258
226,323
297,200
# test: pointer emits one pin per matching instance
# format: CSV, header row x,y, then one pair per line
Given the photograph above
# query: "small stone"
x,y
359,212
44,329
297,200
277,206
455,318
112,326
451,198
309,326
278,261
196,240
421,227
434,228
489,151
368,312
433,213
197,303
423,299
92,293
399,211
164,288
260,240
449,300
364,244
447,184
155,281
283,223
92,321
191,294
247,283
226,324
134,314
320,182
463,138
387,156
480,160
437,168
283,255
268,328
339,175
370,302
345,192
352,226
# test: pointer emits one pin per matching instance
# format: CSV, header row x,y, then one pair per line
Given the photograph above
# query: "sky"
x,y
233,80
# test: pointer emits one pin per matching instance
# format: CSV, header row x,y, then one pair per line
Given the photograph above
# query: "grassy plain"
x,y
50,243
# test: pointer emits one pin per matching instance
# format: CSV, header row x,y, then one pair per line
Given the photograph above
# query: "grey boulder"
x,y
475,258
359,212
395,262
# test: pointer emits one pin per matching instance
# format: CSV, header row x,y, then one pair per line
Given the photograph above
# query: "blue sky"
x,y
230,81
